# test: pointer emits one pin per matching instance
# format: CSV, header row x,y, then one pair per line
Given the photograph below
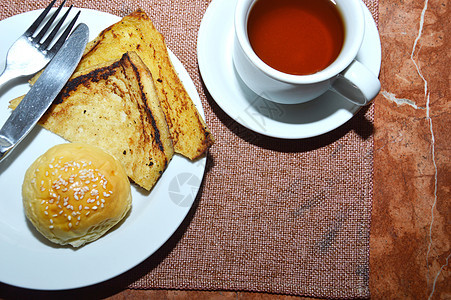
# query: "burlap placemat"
x,y
290,217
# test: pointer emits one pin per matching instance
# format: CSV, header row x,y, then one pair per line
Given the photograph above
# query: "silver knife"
x,y
44,91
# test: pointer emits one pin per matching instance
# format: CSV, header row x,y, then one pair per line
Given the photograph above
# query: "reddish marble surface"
x,y
410,231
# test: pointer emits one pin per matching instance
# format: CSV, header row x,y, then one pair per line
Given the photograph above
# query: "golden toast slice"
x,y
115,106
136,32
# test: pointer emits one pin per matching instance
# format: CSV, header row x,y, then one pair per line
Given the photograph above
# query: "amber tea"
x,y
298,37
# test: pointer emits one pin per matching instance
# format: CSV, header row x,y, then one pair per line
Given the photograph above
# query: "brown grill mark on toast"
x,y
136,32
116,108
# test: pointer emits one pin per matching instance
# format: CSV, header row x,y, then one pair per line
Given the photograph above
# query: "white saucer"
x,y
316,117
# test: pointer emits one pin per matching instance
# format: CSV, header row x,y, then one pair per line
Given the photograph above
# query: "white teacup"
x,y
345,75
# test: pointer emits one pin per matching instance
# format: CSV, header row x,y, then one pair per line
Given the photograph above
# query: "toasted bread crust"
x,y
136,32
115,107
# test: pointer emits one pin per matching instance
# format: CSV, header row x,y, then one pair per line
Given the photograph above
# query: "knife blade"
x,y
44,91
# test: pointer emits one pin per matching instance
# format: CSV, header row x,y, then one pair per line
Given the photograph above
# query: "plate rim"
x,y
198,172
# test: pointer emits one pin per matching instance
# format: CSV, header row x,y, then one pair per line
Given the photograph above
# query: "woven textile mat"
x,y
279,216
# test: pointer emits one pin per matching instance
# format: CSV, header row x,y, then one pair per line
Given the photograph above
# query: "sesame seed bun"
x,y
74,193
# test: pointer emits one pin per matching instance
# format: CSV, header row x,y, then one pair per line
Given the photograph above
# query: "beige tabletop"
x,y
279,218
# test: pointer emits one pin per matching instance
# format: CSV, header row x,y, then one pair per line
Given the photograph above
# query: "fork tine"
x,y
29,32
55,30
63,36
49,23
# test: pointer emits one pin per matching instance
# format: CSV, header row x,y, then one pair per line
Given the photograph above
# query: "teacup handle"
x,y
357,84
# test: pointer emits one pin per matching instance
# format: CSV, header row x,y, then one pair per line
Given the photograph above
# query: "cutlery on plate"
x,y
28,54
44,91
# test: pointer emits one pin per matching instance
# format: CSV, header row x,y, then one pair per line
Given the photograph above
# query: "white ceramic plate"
x,y
28,260
316,117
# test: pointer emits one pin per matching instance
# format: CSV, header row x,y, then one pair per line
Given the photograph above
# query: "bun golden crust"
x,y
74,193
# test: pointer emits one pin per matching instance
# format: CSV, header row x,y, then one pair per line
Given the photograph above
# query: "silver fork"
x,y
28,54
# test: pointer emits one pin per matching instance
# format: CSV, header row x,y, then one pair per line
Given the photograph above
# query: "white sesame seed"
x,y
45,212
51,221
51,226
70,225
94,207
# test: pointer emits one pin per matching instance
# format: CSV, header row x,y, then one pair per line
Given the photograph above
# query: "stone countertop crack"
x,y
400,101
431,128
